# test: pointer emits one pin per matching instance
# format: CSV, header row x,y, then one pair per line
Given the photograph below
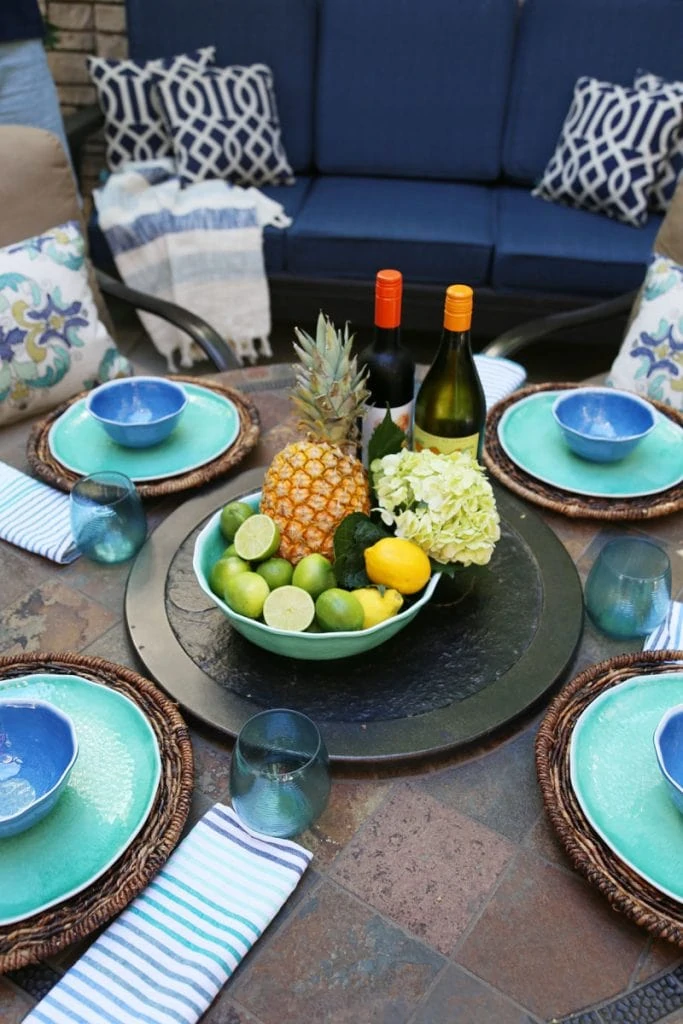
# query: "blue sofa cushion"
x,y
671,167
610,149
403,92
436,232
292,198
543,247
224,124
279,33
558,42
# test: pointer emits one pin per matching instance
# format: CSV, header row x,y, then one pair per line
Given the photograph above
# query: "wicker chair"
x,y
37,192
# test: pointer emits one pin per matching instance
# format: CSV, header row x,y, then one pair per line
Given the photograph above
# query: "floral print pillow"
x,y
650,360
52,342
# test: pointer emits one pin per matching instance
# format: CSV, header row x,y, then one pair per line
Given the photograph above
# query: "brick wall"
x,y
82,27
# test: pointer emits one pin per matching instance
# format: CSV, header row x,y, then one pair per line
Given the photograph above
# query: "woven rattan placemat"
x,y
48,468
45,933
576,506
626,891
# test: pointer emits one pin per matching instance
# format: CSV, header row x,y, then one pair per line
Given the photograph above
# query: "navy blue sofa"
x,y
417,128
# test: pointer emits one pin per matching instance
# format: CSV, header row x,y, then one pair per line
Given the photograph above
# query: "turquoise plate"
x,y
530,437
105,804
617,781
209,425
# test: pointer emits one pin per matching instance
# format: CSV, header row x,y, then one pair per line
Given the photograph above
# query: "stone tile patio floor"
x,y
394,925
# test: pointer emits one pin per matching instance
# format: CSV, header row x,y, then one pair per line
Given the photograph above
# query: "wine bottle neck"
x,y
387,339
459,341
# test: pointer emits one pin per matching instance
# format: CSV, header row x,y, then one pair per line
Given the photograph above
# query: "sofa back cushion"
x,y
406,90
559,41
279,33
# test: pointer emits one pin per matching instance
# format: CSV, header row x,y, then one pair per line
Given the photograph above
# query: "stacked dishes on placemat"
x,y
120,814
218,428
526,451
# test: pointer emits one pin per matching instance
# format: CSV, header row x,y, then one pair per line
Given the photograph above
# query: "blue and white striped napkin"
x,y
668,636
499,377
165,958
34,516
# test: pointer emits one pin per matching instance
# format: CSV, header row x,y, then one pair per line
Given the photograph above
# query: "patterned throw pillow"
x,y
650,359
612,142
52,342
224,124
133,126
671,166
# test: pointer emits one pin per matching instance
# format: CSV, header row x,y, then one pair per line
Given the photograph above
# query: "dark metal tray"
x,y
488,646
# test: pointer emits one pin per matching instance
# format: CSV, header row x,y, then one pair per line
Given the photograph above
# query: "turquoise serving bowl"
x,y
210,545
38,749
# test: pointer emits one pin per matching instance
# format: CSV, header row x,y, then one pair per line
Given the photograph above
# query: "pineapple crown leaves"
x,y
330,394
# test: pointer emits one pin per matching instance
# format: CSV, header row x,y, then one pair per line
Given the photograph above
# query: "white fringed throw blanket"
x,y
200,247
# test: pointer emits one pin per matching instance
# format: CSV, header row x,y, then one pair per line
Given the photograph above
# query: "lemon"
x,y
378,607
314,574
223,570
277,572
246,593
232,517
397,563
289,608
338,610
257,538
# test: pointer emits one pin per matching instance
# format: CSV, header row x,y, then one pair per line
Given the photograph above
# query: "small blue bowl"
x,y
38,749
137,412
669,749
602,424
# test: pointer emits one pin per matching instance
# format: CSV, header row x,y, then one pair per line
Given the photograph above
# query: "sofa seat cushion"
x,y
407,92
436,232
292,198
543,247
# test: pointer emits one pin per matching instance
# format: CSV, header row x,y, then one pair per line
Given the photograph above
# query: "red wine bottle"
x,y
391,369
450,409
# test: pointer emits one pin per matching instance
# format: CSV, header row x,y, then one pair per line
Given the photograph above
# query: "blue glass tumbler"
x,y
279,773
107,518
628,589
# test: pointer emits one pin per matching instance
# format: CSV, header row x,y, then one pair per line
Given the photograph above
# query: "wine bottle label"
x,y
402,415
444,445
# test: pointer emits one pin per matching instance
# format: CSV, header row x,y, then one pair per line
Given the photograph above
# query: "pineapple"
x,y
312,484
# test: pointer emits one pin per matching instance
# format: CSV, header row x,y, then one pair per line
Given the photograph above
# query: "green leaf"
x,y
387,439
354,534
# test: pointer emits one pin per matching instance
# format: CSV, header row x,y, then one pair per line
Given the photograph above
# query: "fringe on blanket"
x,y
200,247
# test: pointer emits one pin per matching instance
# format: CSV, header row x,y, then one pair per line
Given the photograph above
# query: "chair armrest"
x,y
519,337
208,339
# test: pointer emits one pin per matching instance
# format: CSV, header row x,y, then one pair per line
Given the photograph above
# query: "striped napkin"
x,y
34,516
668,636
499,377
164,959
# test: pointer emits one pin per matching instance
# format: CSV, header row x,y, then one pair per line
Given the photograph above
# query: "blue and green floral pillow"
x,y
650,359
52,342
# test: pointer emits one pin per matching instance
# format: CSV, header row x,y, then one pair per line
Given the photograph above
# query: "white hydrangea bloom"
x,y
444,503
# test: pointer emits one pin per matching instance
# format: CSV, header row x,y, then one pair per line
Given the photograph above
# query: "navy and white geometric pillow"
x,y
671,167
133,126
611,145
224,124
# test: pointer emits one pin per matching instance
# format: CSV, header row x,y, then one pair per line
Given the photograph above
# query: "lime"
x,y
289,608
245,593
277,572
230,550
223,570
232,517
338,610
257,538
314,574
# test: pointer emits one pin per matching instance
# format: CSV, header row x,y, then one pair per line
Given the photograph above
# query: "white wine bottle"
x,y
391,369
450,409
